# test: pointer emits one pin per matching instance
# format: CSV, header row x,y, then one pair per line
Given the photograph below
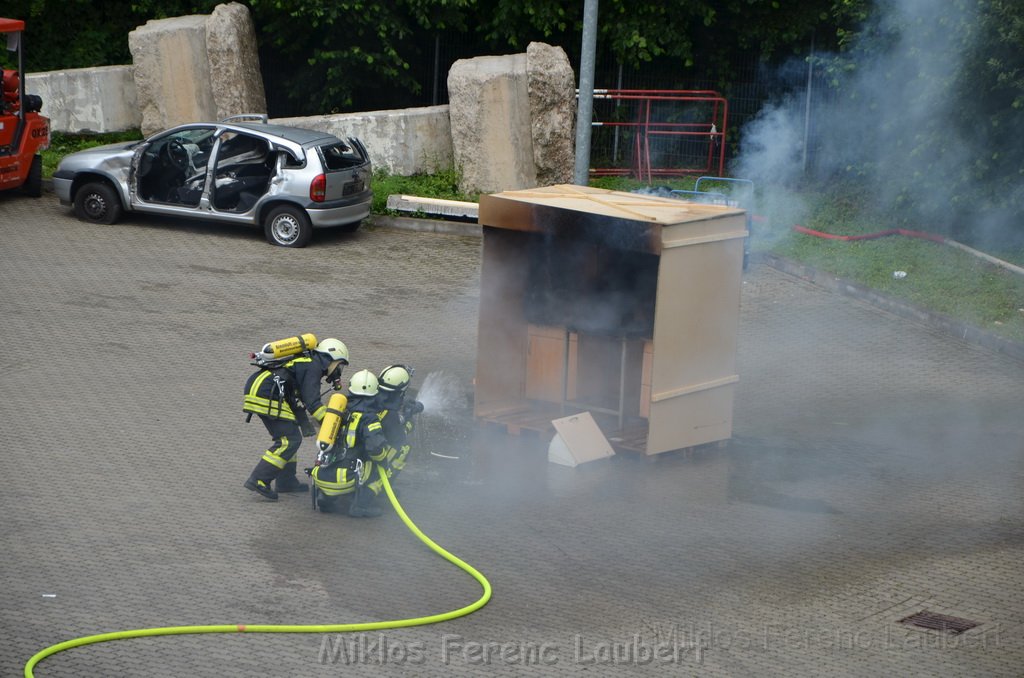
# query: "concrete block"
x,y
453,209
552,89
235,79
100,99
172,72
403,142
490,121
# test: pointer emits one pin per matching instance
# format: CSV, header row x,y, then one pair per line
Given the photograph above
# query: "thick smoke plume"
x,y
896,128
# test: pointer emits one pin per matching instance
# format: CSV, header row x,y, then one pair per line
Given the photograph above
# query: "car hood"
x,y
107,157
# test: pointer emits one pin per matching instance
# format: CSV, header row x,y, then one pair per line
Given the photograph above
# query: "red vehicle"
x,y
24,133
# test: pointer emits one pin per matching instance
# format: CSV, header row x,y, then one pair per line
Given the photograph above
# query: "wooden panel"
x,y
545,363
634,207
690,420
697,315
645,379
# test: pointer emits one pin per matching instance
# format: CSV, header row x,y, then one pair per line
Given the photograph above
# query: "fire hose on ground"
x,y
913,234
303,628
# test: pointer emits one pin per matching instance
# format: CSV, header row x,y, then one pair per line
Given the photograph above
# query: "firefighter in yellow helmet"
x,y
281,397
349,467
397,417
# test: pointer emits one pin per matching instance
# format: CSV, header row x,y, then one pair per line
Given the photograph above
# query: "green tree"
x,y
329,50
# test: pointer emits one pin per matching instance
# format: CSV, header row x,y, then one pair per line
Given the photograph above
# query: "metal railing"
x,y
670,133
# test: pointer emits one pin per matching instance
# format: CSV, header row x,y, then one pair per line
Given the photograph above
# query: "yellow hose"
x,y
286,628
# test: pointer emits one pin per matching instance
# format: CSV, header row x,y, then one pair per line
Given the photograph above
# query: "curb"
x,y
470,228
961,330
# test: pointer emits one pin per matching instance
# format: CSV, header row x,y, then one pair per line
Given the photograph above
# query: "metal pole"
x,y
615,143
437,65
807,105
585,111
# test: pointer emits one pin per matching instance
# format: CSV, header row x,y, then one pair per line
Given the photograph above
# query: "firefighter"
x,y
361,448
396,416
283,397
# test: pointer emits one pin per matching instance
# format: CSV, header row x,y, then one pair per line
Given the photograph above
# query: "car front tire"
x,y
98,203
288,226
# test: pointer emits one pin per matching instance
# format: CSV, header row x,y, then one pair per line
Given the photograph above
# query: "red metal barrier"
x,y
671,132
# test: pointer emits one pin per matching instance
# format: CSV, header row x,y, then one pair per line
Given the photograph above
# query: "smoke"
x,y
896,128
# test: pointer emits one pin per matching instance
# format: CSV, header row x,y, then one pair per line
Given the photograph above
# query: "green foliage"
x,y
331,50
443,184
940,278
61,34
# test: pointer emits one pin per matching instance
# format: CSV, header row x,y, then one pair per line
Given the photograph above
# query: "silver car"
x,y
287,179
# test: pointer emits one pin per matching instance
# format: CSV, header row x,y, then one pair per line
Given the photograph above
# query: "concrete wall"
x,y
404,142
101,99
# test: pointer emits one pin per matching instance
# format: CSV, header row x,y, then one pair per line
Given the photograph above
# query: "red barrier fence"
x,y
648,133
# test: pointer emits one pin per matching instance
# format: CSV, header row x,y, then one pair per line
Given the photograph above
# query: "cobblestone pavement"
x,y
876,472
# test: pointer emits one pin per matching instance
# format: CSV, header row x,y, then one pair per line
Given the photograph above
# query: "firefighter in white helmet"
x,y
282,396
397,417
360,449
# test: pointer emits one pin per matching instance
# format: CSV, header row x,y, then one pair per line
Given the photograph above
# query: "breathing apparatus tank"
x,y
331,425
285,347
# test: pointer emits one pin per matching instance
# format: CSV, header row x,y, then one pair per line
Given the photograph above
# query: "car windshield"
x,y
340,155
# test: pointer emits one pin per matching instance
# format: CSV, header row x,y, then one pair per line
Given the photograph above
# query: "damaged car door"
x,y
169,173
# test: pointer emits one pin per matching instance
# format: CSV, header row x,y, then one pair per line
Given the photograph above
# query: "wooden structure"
x,y
619,304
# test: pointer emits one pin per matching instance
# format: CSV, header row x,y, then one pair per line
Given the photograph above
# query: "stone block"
x,y
552,89
235,78
100,99
196,68
172,72
490,122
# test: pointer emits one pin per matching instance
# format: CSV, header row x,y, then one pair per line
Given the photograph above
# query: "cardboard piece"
x,y
577,441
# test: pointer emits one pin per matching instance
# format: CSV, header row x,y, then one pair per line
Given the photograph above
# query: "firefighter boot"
x,y
287,481
362,504
260,479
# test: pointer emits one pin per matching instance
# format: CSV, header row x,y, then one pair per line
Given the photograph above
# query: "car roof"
x,y
299,135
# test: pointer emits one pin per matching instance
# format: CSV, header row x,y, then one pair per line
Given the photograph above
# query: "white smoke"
x,y
871,132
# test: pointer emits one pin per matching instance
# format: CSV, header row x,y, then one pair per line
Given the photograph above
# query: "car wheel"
x,y
288,226
34,183
97,202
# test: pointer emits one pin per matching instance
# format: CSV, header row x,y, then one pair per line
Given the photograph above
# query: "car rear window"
x,y
340,156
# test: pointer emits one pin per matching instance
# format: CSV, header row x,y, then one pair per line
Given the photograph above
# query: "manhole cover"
x,y
939,622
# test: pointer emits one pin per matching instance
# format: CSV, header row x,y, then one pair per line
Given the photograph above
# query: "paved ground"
x,y
876,472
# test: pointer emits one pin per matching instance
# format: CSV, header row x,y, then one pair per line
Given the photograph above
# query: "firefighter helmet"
x,y
395,377
363,383
335,349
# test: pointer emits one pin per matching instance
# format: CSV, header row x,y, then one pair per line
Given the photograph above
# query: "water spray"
x,y
440,394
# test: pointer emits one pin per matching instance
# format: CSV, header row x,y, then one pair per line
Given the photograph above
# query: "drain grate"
x,y
939,622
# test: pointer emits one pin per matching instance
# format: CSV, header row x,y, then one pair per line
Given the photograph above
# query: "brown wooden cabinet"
x,y
619,304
